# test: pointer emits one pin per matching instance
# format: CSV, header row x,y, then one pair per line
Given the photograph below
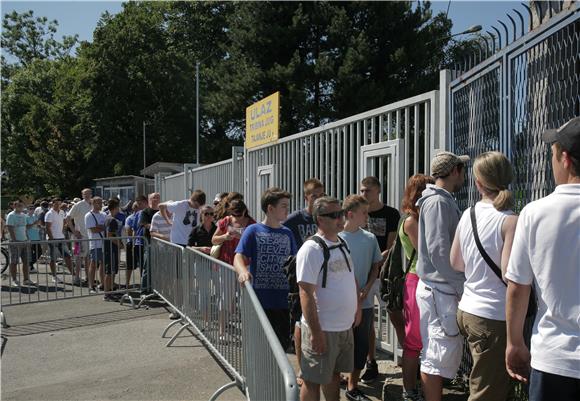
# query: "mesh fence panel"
x,y
476,124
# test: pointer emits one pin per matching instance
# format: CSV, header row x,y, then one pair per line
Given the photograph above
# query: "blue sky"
x,y
80,17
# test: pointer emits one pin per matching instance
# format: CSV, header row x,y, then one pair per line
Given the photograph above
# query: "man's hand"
x,y
365,292
243,277
517,362
318,341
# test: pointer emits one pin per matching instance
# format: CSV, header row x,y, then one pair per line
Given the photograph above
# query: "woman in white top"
x,y
481,312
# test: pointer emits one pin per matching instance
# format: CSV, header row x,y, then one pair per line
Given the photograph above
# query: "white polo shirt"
x,y
546,250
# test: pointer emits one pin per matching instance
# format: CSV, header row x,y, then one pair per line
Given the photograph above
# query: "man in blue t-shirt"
x,y
260,256
301,222
16,223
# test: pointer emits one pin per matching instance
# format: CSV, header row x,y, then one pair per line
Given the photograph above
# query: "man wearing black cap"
x,y
546,252
440,287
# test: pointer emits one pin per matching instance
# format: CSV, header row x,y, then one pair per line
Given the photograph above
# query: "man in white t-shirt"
x,y
76,223
330,308
95,225
186,215
545,252
54,221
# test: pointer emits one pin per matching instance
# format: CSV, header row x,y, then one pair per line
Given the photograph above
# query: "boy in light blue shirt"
x,y
366,256
16,223
33,233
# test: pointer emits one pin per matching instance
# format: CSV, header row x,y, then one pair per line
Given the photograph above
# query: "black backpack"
x,y
392,275
290,264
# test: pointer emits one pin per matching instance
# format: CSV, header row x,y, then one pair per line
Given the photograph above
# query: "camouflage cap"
x,y
442,164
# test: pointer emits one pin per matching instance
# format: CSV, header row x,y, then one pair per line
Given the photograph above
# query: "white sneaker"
x,y
29,282
15,283
57,280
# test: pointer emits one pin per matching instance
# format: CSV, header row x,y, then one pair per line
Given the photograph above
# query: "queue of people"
x,y
471,276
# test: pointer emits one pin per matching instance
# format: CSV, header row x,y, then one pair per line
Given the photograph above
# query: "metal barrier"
x,y
205,293
47,271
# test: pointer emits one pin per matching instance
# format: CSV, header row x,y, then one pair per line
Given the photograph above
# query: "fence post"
x,y
442,139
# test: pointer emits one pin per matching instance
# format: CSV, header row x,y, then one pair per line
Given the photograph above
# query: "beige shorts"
x,y
339,356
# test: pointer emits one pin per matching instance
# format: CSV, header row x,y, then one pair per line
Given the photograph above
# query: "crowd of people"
x,y
471,276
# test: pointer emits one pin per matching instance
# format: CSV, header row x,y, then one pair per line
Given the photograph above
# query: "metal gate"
x,y
507,101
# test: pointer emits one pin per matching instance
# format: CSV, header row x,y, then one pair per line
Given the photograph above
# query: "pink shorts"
x,y
412,345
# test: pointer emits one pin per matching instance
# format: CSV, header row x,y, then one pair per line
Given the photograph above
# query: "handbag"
x,y
215,251
532,304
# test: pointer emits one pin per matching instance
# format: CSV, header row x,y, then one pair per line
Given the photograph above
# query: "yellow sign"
x,y
263,121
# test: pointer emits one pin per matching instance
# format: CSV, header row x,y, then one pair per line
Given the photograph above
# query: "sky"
x,y
81,16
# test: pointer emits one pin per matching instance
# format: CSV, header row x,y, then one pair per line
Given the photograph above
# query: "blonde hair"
x,y
494,172
353,202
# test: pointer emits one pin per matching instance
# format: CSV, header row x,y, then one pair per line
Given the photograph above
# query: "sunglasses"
x,y
237,214
333,215
208,214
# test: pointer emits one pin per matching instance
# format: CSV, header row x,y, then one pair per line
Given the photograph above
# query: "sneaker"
x,y
29,282
15,284
31,269
77,281
371,372
57,280
93,290
174,316
356,395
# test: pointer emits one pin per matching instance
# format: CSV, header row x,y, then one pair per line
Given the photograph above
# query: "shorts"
x,y
134,256
96,255
17,252
111,261
487,343
62,249
361,335
83,248
442,342
280,321
339,356
412,344
549,386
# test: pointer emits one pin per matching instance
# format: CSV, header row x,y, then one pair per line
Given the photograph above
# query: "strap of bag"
x,y
414,253
97,223
484,254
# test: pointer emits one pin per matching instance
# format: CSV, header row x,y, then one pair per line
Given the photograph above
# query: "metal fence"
x,y
46,271
228,319
508,100
224,176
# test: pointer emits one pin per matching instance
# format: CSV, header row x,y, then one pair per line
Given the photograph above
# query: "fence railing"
x,y
228,319
45,271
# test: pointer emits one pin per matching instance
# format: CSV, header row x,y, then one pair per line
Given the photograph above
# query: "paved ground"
x,y
88,349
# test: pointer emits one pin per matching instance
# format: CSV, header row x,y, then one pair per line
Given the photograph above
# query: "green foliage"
x,y
69,119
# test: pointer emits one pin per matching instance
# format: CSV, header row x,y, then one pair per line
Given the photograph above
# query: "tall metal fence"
x,y
508,100
228,319
224,176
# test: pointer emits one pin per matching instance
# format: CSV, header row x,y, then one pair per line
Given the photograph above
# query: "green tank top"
x,y
408,248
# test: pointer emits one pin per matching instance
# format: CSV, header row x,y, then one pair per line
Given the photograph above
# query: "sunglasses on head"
x,y
333,215
237,214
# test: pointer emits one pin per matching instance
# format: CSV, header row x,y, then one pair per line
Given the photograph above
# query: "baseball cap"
x,y
443,163
568,136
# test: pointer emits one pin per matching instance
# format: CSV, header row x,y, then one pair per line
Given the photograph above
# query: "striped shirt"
x,y
159,225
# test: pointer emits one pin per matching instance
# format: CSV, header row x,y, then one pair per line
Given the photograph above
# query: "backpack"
x,y
290,264
392,275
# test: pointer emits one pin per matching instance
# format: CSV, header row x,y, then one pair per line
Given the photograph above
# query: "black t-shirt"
x,y
302,226
146,217
382,222
200,237
111,226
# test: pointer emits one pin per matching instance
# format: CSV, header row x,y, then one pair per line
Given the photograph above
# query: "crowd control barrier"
x,y
48,271
227,318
